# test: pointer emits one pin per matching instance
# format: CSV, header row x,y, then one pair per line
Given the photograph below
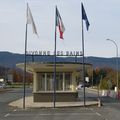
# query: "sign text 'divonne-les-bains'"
x,y
58,53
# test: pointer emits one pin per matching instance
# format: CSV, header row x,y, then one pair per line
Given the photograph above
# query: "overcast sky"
x,y
103,15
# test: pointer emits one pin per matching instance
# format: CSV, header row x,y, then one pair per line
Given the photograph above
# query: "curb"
x,y
74,106
30,104
95,90
4,90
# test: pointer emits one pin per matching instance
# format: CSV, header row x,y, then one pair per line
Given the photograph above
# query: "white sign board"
x,y
87,79
1,80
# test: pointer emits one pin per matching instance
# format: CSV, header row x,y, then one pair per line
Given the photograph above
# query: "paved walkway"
x,y
30,104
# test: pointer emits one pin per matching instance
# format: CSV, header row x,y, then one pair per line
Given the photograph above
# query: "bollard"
x,y
99,102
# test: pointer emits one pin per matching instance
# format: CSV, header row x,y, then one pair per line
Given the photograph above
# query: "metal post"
x,y
54,82
83,62
24,79
92,76
117,79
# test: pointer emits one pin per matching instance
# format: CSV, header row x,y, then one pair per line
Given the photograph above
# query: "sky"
x,y
103,16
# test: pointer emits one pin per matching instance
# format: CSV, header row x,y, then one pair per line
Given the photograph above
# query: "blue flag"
x,y
84,17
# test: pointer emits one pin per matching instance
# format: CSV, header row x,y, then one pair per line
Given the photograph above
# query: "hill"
x,y
8,59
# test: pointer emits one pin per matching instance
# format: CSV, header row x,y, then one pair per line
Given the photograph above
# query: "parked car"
x,y
81,85
2,85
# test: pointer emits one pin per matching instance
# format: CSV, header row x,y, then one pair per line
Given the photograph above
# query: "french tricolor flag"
x,y
59,23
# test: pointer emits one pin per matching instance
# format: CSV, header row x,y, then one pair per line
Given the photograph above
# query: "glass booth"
x,y
67,75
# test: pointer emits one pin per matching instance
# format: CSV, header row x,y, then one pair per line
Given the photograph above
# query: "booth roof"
x,y
49,66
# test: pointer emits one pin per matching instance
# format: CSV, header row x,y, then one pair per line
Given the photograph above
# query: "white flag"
x,y
30,20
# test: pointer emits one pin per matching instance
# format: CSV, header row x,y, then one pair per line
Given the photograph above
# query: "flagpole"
x,y
54,93
83,61
24,79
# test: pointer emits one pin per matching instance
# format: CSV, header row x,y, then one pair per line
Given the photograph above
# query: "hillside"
x,y
8,59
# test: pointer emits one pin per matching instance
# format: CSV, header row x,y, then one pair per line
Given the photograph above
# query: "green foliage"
x,y
104,84
106,78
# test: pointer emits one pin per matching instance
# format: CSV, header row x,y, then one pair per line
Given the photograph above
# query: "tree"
x,y
18,76
105,77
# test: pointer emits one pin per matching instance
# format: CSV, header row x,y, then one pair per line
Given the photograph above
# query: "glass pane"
x,y
41,81
59,81
67,81
49,81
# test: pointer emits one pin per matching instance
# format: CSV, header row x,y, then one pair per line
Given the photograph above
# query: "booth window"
x,y
68,79
63,81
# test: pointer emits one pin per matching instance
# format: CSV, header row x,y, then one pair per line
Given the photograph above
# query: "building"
x,y
68,76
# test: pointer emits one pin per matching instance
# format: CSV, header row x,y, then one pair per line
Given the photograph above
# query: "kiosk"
x,y
68,75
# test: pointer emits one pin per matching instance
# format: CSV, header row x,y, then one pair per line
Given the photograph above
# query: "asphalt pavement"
x,y
76,113
109,111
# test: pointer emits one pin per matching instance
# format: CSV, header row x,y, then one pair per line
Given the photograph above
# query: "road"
x,y
9,96
109,111
90,94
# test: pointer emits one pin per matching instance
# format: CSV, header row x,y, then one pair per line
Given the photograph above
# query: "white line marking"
x,y
7,115
98,114
95,112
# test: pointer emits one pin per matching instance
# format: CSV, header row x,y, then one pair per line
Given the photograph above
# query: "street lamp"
x,y
116,62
